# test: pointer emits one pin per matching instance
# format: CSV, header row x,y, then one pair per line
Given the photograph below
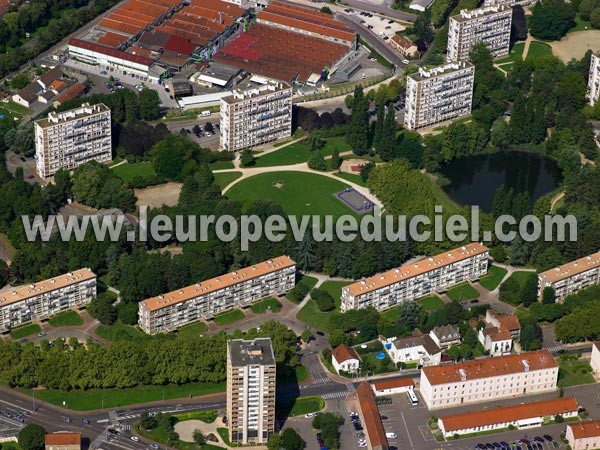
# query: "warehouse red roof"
x,y
180,45
508,414
371,418
490,367
393,383
103,49
584,430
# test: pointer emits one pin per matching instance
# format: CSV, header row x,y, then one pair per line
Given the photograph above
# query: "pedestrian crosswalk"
x,y
335,395
553,348
320,379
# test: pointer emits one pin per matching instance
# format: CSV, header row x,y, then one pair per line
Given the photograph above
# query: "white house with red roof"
x,y
345,358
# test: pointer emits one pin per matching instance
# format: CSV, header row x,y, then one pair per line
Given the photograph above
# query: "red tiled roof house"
x,y
345,359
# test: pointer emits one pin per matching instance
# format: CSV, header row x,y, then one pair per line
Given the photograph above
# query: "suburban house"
x,y
445,336
584,435
415,349
42,89
509,322
403,45
63,441
345,359
496,340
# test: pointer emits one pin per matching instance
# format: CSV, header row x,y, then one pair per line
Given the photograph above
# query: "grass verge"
x,y
269,304
223,179
463,291
25,330
229,317
66,319
573,372
305,405
493,278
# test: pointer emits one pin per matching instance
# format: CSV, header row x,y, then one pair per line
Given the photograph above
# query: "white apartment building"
x,y
204,300
489,379
251,377
507,2
490,25
594,80
571,277
255,116
595,359
523,416
440,94
415,280
46,298
69,139
583,435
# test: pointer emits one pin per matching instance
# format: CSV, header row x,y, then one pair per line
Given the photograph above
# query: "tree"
x,y
358,130
423,29
335,159
326,10
317,162
509,291
365,170
94,184
586,7
274,442
551,19
519,24
208,126
379,124
315,142
199,438
595,18
548,296
103,310
3,273
528,292
196,130
291,440
409,313
306,336
19,81
148,422
149,104
387,146
31,437
247,158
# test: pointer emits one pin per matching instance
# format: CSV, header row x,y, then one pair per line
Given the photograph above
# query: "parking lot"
x,y
381,26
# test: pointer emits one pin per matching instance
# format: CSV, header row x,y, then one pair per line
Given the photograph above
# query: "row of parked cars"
x,y
536,443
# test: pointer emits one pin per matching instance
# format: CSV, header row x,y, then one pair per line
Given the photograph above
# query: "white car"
x,y
363,445
405,61
135,438
352,413
308,416
373,59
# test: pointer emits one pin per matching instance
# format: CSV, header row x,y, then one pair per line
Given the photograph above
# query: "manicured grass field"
x,y
493,278
299,152
205,416
263,306
229,317
128,172
221,165
516,53
301,373
462,292
66,319
92,399
354,178
311,315
297,192
25,330
392,314
580,24
118,331
193,329
334,288
378,365
538,50
520,276
430,302
573,372
304,405
224,433
224,178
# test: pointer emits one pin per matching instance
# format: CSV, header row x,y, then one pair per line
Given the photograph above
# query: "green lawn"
x,y
298,193
354,178
128,172
580,24
224,433
221,165
118,331
308,281
25,330
229,317
299,152
193,329
92,399
208,416
311,315
392,314
224,178
66,319
263,306
377,365
516,53
573,372
334,288
520,276
538,50
301,373
430,302
304,405
463,291
493,278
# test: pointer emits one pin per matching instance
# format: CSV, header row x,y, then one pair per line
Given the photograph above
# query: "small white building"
x,y
393,386
523,416
497,341
595,361
584,435
445,336
420,349
509,322
345,359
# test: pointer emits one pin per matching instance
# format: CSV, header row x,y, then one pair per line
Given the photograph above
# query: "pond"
x,y
474,180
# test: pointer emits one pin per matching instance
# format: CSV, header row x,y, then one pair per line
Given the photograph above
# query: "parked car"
x,y
135,438
42,334
308,416
154,446
103,72
405,61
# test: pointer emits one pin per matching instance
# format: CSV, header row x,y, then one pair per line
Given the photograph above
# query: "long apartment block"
x,y
412,281
256,116
69,139
251,383
46,298
594,80
571,277
439,94
490,25
204,300
486,380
